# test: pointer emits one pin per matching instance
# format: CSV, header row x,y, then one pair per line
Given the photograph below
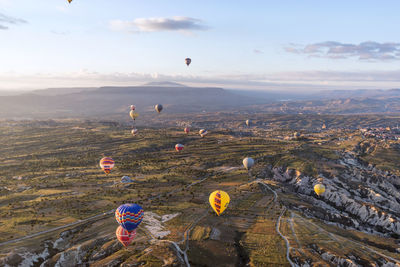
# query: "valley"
x,y
51,185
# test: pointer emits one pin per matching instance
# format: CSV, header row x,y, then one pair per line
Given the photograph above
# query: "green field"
x,y
50,177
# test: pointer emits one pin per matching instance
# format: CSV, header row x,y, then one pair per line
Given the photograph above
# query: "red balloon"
x,y
124,236
187,130
179,147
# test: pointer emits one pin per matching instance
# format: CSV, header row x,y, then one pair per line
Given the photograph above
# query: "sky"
x,y
262,45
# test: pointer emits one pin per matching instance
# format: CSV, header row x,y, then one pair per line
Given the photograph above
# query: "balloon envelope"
x,y
179,147
134,131
124,236
203,132
319,189
188,61
158,108
219,201
129,216
248,163
133,107
187,130
106,164
248,122
133,114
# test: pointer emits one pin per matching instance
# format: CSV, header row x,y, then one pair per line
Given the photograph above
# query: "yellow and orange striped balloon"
x,y
106,164
219,201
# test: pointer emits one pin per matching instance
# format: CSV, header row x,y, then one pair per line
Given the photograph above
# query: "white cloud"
x,y
304,81
369,51
57,32
5,21
183,24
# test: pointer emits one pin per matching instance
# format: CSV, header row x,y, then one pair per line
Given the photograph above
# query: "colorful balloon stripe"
x,y
129,216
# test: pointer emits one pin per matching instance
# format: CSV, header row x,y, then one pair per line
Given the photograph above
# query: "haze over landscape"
x,y
199,133
262,44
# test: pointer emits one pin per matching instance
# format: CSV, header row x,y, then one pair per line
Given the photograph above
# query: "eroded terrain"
x,y
57,207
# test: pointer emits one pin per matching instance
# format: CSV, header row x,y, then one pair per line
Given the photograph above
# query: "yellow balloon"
x,y
219,201
319,189
133,114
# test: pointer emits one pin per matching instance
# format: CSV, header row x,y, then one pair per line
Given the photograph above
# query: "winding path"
x,y
278,224
335,237
181,254
288,247
92,218
294,232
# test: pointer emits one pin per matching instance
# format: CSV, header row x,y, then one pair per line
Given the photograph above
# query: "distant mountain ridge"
x,y
112,101
61,91
106,101
165,84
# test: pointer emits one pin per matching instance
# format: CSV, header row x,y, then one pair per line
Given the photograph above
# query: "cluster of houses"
x,y
382,133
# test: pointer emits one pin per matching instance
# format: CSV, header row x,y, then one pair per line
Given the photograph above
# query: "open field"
x,y
50,177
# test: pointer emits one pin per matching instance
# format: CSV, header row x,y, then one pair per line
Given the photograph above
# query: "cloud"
x,y
56,32
335,76
184,24
6,20
370,51
291,81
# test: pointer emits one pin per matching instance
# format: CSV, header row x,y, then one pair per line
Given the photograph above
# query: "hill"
x,y
105,101
113,102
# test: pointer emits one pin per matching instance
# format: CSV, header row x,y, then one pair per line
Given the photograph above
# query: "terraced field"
x,y
51,184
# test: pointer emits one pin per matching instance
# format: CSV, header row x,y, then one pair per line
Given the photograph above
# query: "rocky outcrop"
x,y
24,258
64,240
360,196
78,254
333,259
11,259
105,250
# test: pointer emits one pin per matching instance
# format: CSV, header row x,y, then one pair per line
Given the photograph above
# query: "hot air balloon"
x,y
158,108
296,135
248,163
124,236
133,114
133,107
129,216
323,126
319,189
203,132
69,1
187,130
106,164
219,201
188,61
179,147
248,122
134,131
